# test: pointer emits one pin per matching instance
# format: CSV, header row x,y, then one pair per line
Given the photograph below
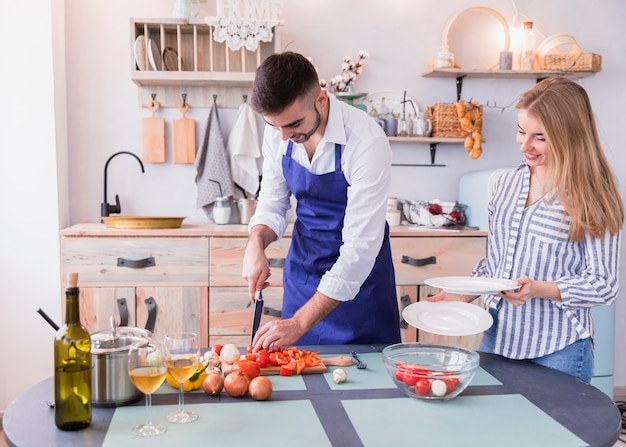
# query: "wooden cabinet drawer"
x,y
455,256
171,261
226,260
230,315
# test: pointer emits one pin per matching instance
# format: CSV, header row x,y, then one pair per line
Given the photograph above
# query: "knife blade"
x,y
256,316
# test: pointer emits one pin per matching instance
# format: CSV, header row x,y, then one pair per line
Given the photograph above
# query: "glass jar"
x,y
527,53
445,58
422,125
221,210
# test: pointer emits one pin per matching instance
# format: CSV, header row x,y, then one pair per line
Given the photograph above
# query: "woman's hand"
x,y
447,296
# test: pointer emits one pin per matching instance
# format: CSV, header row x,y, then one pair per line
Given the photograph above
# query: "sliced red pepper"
x,y
285,372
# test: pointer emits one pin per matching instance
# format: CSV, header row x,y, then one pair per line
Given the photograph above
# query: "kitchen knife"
x,y
258,311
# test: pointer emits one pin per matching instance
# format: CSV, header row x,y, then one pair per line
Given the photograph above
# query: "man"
x,y
339,284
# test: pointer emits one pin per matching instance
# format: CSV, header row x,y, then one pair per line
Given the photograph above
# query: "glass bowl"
x,y
430,371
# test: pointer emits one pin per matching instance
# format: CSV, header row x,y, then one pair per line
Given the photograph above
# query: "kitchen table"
x,y
512,403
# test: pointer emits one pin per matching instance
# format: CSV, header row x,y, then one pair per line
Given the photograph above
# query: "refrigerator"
x,y
475,188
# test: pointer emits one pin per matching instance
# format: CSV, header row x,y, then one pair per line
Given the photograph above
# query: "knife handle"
x,y
340,360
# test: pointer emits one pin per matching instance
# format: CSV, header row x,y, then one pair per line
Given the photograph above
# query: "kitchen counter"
x,y
508,403
235,230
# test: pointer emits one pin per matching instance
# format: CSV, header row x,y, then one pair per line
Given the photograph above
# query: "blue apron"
x,y
372,316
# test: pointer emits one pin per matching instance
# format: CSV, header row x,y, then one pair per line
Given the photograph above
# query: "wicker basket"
x,y
573,62
446,121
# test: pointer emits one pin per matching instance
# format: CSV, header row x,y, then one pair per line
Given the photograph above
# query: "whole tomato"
x,y
422,387
248,367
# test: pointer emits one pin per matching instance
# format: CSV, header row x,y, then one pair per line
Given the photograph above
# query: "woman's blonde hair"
x,y
578,169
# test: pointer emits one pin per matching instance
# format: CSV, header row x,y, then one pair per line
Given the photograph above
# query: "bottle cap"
x,y
527,24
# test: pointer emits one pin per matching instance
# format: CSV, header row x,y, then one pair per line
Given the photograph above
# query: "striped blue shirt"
x,y
533,241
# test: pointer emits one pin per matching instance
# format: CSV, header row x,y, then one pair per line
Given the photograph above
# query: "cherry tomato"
x,y
451,384
217,349
422,387
249,349
410,378
251,357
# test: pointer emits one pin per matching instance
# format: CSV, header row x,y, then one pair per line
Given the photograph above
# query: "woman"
x,y
555,228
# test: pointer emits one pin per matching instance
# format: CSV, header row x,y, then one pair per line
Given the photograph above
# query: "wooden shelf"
x,y
205,67
504,74
427,140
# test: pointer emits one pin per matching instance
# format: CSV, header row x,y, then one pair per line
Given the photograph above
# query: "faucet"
x,y
105,207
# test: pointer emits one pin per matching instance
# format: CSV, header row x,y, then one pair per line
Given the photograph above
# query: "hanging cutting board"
x,y
184,137
153,136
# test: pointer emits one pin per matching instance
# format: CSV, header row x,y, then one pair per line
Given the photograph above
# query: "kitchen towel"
x,y
243,148
212,166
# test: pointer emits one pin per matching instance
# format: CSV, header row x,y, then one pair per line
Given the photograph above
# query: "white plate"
x,y
452,318
476,36
140,52
471,285
154,55
392,101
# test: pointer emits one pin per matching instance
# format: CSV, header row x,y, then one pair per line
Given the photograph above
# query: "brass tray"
x,y
142,223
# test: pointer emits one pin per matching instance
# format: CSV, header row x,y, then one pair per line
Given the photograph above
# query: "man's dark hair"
x,y
280,80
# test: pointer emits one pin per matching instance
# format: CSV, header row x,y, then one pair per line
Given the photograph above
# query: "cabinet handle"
x,y
276,262
152,313
404,301
418,262
122,308
272,312
136,264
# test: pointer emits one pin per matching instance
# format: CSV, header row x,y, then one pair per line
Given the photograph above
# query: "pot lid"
x,y
104,342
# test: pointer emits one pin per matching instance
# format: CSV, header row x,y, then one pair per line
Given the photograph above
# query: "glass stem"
x,y
181,398
149,407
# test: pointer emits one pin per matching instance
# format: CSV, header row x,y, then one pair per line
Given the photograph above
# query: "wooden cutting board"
x,y
184,137
340,360
153,136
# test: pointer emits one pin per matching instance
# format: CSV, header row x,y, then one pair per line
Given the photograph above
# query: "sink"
x,y
142,222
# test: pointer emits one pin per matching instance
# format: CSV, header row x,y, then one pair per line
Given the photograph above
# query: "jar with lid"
x,y
527,53
445,58
221,210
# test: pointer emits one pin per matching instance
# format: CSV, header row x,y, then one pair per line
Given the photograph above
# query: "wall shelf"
x,y
203,67
433,142
504,74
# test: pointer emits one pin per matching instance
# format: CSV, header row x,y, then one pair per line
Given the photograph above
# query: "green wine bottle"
x,y
72,366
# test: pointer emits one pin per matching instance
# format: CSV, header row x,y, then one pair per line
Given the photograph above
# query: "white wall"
x,y
103,116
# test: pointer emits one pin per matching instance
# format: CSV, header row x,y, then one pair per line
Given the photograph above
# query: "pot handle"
x,y
151,306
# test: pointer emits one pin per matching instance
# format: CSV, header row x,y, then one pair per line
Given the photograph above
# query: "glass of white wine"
x,y
183,352
147,369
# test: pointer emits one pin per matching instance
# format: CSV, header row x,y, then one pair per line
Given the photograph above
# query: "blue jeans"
x,y
575,359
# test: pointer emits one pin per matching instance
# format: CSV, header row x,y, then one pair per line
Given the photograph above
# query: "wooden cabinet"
x,y
193,274
230,310
173,271
442,256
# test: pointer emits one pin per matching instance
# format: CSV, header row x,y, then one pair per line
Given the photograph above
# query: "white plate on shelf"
x,y
392,102
476,36
471,285
140,52
452,318
154,55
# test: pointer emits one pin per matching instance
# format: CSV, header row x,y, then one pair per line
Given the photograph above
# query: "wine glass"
x,y
182,353
147,369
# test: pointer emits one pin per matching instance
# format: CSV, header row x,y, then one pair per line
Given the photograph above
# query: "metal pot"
x,y
110,383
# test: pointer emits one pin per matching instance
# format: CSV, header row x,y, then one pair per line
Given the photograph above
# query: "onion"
x,y
236,384
230,353
260,388
213,384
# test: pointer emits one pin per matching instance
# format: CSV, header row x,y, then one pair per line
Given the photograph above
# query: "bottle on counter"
x,y
72,365
527,52
221,210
